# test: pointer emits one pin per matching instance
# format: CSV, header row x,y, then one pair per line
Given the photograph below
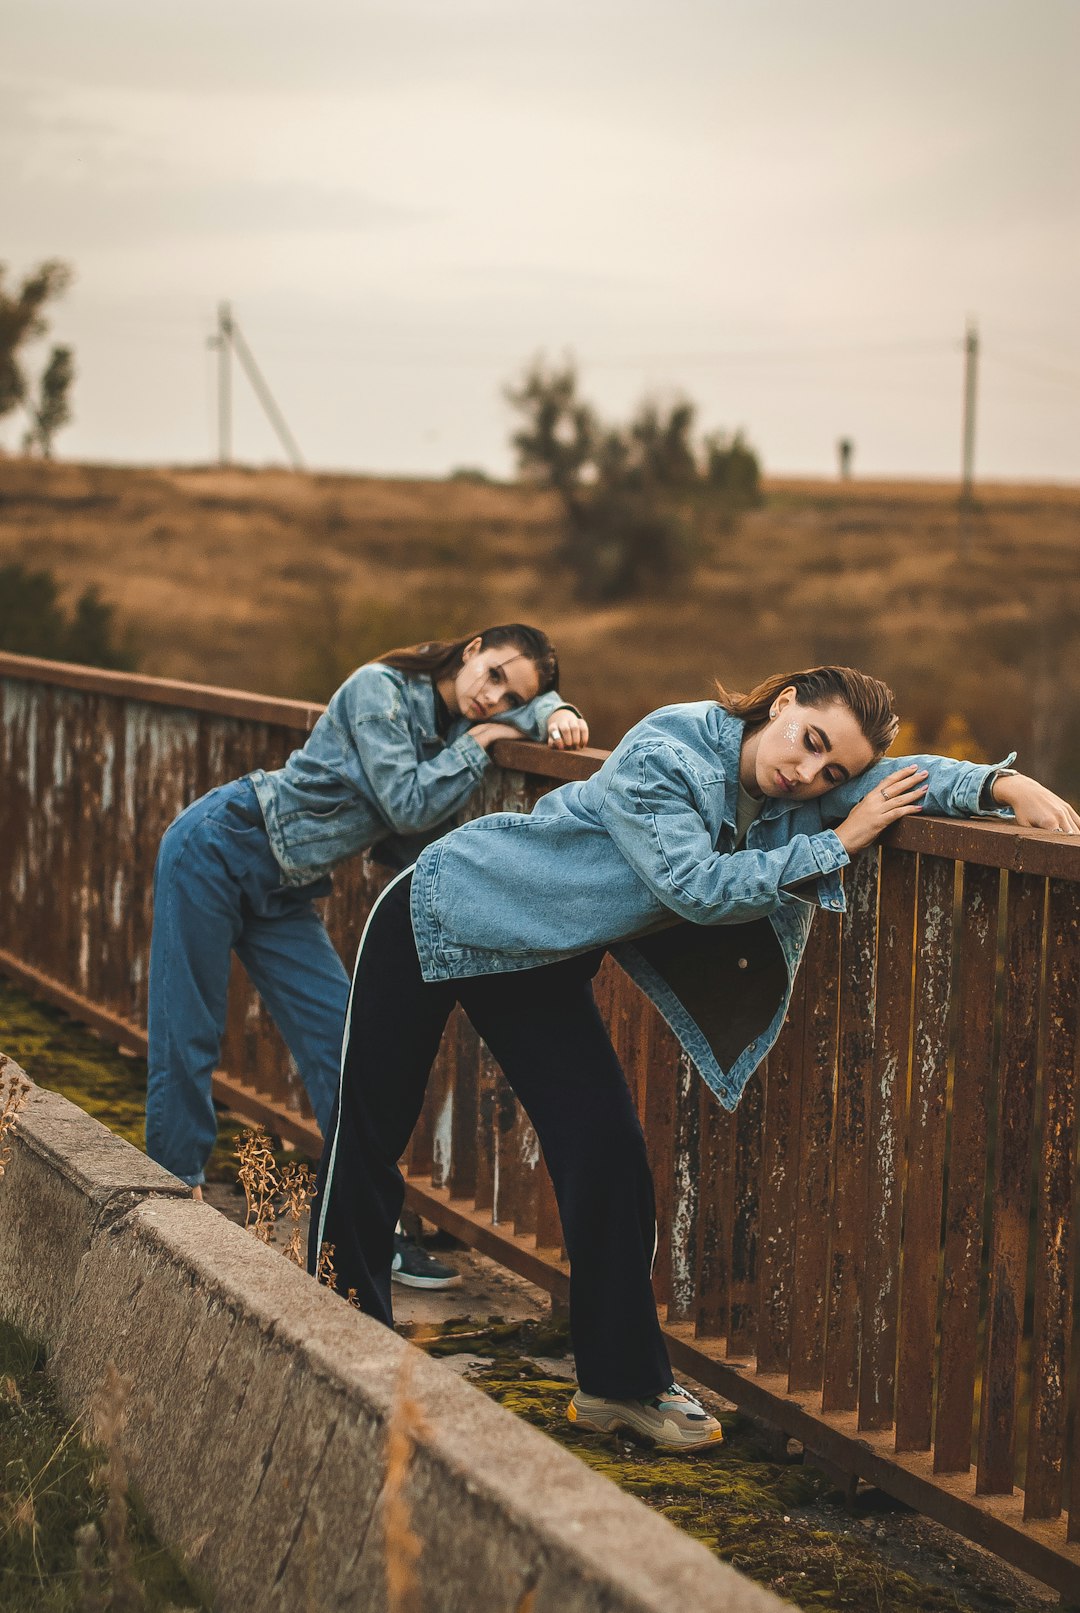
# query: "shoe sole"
x,y
611,1423
408,1281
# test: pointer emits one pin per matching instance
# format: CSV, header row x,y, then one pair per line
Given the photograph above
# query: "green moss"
x,y
774,1521
50,1487
65,1057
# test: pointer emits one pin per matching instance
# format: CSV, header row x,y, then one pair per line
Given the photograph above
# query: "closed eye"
x,y
832,775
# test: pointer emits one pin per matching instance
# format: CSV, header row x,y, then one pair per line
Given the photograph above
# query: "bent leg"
x,y
197,919
543,1027
293,966
392,1031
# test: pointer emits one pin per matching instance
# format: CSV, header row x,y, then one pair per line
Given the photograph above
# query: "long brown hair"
x,y
441,658
868,699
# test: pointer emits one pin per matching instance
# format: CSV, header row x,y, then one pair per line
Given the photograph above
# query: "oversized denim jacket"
x,y
624,859
375,767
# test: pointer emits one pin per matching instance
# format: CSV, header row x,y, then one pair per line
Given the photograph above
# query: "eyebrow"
x,y
500,666
827,745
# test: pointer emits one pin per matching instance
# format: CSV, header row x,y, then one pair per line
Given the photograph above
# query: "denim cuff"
x,y
986,806
472,753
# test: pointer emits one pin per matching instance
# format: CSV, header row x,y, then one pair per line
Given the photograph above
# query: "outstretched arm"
x,y
1033,805
889,796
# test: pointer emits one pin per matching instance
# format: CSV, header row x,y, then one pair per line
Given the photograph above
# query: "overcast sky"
x,y
786,210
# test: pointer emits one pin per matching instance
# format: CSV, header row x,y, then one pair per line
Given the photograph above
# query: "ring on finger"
x,y
885,794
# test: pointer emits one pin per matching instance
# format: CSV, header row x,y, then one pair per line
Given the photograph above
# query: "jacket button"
x,y
742,963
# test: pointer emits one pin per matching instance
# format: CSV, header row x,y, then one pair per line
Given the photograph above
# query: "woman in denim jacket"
x,y
697,856
401,747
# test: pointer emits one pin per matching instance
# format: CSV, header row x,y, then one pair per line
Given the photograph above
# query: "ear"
x,y
783,699
470,649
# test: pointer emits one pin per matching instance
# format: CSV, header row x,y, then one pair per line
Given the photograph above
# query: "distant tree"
x,y
641,502
560,436
22,321
33,622
52,408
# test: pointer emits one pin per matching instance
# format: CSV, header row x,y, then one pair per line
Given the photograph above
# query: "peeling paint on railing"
x,y
805,1229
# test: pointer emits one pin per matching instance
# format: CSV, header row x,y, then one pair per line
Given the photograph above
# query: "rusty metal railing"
x,y
875,1252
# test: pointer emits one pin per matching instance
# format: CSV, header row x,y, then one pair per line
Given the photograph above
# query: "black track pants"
x,y
543,1028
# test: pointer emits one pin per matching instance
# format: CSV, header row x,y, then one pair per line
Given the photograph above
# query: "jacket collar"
x,y
420,693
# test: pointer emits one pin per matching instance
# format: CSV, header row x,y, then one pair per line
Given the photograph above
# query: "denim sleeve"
x,y
532,718
412,795
650,813
955,787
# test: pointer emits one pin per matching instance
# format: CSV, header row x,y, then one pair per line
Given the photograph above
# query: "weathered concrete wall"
x,y
260,1405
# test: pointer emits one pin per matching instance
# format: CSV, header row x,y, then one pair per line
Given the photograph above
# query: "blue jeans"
x,y
218,888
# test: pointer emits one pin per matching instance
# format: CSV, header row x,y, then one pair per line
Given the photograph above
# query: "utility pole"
x,y
971,363
223,343
229,340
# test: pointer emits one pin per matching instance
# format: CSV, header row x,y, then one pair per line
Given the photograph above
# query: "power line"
x,y
1043,372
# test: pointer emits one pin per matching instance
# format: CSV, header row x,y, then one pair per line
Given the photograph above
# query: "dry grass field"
x,y
281,583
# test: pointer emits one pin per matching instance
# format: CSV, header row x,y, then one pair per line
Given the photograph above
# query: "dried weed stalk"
x,y
14,1091
91,1592
325,1271
110,1413
272,1194
402,1543
297,1188
259,1179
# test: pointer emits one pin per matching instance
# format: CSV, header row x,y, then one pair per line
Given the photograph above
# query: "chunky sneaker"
x,y
673,1419
414,1267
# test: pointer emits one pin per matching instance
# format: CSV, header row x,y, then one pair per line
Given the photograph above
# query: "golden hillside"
x,y
282,582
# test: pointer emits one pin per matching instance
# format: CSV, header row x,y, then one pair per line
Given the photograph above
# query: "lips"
x,y
786,786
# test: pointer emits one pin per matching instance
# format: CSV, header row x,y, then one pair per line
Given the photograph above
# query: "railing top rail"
x,y
993,844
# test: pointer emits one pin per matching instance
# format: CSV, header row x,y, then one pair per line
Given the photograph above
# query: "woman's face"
x,y
490,682
803,751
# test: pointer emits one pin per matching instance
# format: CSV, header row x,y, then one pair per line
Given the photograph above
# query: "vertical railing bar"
x,y
926,1155
858,963
1009,1227
815,1155
745,1214
712,1270
663,1057
684,1201
462,1052
1053,1238
783,1077
888,1099
487,1079
972,1087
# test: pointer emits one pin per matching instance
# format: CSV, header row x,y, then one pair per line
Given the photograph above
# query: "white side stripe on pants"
x,y
344,1044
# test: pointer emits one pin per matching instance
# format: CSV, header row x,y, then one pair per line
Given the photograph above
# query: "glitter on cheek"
x,y
791,732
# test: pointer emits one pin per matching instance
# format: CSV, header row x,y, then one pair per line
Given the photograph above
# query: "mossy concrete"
x,y
260,1407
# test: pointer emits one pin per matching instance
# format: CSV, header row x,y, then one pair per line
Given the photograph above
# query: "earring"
x,y
772,713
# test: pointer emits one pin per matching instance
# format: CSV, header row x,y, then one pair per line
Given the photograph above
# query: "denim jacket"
x,y
623,859
374,767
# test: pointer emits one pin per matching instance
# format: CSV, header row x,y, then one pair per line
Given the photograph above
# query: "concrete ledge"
x,y
260,1406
